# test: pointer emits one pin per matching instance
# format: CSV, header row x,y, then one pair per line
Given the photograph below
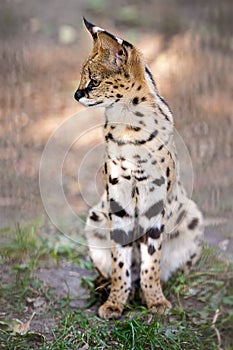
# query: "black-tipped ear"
x,y
91,28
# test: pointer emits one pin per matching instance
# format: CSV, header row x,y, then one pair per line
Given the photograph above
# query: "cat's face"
x,y
108,73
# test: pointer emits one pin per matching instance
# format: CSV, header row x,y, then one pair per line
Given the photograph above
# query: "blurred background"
x,y
188,45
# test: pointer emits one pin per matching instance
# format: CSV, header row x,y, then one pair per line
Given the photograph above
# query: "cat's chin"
x,y
89,103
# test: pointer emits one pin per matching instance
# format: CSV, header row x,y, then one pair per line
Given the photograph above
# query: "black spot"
x,y
143,99
154,232
117,100
168,185
127,75
109,82
168,172
121,264
159,182
146,271
115,86
135,101
151,249
112,127
115,259
160,247
154,162
142,178
180,206
180,217
174,234
193,224
162,160
94,217
117,209
139,87
154,209
133,85
160,148
136,128
109,137
114,180
127,177
119,95
105,168
152,189
122,85
127,273
141,161
189,263
139,114
136,156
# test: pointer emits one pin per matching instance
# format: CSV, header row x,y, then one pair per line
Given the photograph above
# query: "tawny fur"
x,y
144,203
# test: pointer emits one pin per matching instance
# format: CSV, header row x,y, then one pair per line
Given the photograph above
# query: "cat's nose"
x,y
79,94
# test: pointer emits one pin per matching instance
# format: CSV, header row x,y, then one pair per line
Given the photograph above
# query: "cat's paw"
x,y
160,307
110,311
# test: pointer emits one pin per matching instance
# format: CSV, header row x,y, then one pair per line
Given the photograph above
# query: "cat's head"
x,y
111,71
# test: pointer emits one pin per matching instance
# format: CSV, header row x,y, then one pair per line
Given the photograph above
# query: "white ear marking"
x,y
97,29
120,41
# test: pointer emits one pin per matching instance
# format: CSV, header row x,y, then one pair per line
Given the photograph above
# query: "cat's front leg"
x,y
121,282
150,246
121,252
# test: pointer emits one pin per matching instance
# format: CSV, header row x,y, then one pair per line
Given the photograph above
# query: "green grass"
x,y
201,317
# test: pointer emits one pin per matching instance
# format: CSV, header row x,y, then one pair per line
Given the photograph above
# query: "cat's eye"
x,y
93,83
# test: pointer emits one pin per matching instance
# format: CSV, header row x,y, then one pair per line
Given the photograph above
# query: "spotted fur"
x,y
144,203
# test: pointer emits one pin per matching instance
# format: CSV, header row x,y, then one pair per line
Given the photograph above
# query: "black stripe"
x,y
151,76
109,136
141,178
162,99
164,114
155,209
117,209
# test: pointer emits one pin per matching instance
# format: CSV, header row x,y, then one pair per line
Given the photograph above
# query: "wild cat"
x,y
144,204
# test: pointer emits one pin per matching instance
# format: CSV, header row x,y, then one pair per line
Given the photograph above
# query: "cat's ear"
x,y
92,29
112,47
